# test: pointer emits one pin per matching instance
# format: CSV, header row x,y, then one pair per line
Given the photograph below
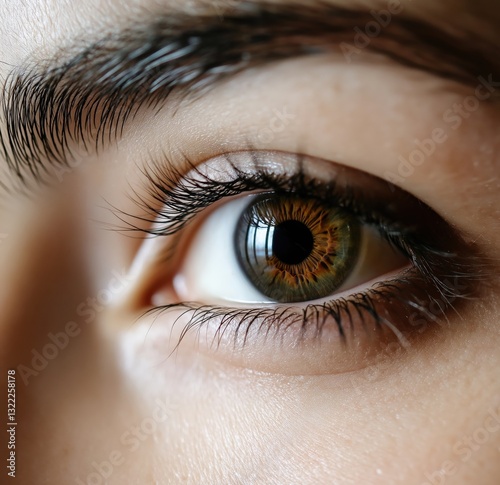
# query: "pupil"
x,y
292,242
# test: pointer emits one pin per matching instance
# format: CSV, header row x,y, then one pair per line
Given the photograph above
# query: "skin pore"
x,y
117,402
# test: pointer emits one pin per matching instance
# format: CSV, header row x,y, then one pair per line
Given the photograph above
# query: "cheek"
x,y
221,421
390,420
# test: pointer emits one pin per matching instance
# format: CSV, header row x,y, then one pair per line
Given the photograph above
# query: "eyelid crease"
x,y
86,100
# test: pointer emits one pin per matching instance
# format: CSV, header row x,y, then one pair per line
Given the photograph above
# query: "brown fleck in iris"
x,y
295,249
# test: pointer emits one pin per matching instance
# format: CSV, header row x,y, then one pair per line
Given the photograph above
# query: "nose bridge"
x,y
39,263
43,271
63,367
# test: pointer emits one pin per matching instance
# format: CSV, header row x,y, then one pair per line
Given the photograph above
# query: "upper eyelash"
x,y
177,198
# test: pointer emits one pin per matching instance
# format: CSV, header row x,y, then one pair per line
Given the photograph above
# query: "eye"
x,y
278,248
291,264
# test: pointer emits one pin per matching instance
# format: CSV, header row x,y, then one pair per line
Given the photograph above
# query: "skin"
x,y
112,400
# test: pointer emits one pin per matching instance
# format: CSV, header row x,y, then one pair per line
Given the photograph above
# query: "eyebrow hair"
x,y
86,99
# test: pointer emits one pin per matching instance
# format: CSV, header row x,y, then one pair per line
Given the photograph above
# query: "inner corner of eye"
x,y
269,249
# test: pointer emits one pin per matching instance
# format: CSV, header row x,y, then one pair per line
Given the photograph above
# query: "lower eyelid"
x,y
394,316
285,340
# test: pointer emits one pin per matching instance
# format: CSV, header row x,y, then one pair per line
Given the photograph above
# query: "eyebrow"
x,y
85,99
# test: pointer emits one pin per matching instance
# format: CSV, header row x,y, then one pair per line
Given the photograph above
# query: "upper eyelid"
x,y
106,77
173,196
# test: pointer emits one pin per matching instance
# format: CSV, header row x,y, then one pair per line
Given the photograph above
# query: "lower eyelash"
x,y
413,298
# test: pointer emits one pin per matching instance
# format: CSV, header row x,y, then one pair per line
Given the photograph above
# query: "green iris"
x,y
294,249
